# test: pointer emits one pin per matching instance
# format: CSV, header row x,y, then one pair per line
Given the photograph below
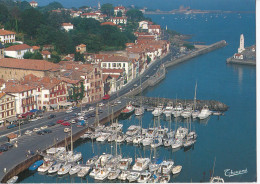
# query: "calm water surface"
x,y
230,138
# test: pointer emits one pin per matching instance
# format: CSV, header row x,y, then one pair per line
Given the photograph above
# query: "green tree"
x,y
107,9
35,55
188,46
119,14
4,13
51,6
135,15
79,57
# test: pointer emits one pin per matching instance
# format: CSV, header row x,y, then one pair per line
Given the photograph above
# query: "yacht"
x,y
177,110
192,135
64,169
195,114
120,138
128,110
129,139
144,177
165,167
162,132
186,113
138,139
112,138
176,169
90,162
177,143
123,175
113,174
83,171
216,179
168,109
94,172
45,166
155,166
113,162
181,133
139,111
205,112
147,140
141,164
165,178
102,174
168,142
133,130
133,176
103,159
125,163
157,142
188,143
54,168
75,157
157,111
103,137
75,169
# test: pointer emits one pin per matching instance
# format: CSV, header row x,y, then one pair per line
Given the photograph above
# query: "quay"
x,y
232,60
15,161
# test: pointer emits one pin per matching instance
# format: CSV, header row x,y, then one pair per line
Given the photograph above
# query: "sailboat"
x,y
195,113
190,138
216,179
140,110
75,156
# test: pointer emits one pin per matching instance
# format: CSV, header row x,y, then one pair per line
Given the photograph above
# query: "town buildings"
x,y
17,51
2,49
7,108
67,26
7,36
33,4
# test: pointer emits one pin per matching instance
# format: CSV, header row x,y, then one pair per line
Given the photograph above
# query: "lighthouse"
x,y
241,47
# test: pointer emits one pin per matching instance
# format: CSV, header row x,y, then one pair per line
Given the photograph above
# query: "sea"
x,y
225,144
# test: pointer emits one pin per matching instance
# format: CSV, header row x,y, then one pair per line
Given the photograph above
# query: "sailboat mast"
x,y
71,144
195,96
213,167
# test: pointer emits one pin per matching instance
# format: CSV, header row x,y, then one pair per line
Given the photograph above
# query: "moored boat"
x,y
54,168
128,110
113,174
141,164
133,176
12,180
176,169
35,165
144,177
45,166
64,169
83,171
75,169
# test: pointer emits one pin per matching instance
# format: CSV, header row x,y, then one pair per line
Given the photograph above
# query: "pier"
x,y
232,60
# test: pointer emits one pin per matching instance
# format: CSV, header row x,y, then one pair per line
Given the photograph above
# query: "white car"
x,y
135,85
101,104
28,132
44,127
66,130
73,121
79,114
69,111
81,118
91,109
118,102
36,129
39,117
33,119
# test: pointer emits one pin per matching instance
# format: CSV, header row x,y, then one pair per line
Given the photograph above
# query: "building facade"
x,y
18,51
7,108
7,36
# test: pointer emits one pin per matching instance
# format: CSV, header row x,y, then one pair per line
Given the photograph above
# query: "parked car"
x,y
11,126
65,124
135,85
3,148
106,97
51,116
60,121
73,121
51,124
36,129
66,130
44,127
101,104
47,131
69,111
91,109
41,132
9,145
28,132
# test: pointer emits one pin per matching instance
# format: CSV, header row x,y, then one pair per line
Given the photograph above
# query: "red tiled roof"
x,y
33,2
35,47
18,47
116,59
28,64
108,23
2,94
17,88
81,45
67,24
45,52
112,70
154,27
6,32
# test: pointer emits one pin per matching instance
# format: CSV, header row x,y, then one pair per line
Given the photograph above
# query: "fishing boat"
x,y
144,177
45,166
165,178
141,164
125,163
12,180
35,165
83,171
103,137
205,113
75,169
176,169
165,167
133,130
113,174
133,176
123,175
90,162
64,169
54,168
128,110
102,174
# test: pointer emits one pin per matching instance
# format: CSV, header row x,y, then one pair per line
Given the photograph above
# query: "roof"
x,y
119,8
18,47
112,70
35,47
67,24
81,45
2,94
116,59
6,32
108,23
28,64
12,136
154,27
45,52
33,2
17,88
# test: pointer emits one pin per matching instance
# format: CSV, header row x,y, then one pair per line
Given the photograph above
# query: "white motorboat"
x,y
133,130
176,169
168,109
90,162
138,139
75,169
103,137
54,168
139,111
102,174
192,135
216,179
113,162
181,133
125,163
12,180
75,157
99,128
204,113
94,172
116,127
45,166
149,108
157,111
177,110
112,138
144,177
186,113
83,171
165,178
120,138
147,141
157,142
162,132
64,169
153,179
195,114
141,164
53,151
113,174
129,139
123,175
168,142
103,159
86,135
155,166
133,176
165,167
177,143
188,143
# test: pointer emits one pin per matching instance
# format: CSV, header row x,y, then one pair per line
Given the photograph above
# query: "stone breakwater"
x,y
153,102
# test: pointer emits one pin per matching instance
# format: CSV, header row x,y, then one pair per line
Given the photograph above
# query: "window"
x,y
104,65
45,96
114,65
124,65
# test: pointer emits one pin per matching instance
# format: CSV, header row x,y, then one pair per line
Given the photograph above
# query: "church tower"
x,y
241,47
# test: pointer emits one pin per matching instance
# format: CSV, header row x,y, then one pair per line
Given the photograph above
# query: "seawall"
x,y
232,60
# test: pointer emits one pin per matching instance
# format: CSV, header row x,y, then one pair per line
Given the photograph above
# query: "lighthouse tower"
x,y
99,6
241,47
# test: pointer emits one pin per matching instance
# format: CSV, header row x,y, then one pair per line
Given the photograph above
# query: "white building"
x,y
119,9
154,29
67,26
119,62
242,42
7,36
118,20
238,56
143,24
18,51
33,4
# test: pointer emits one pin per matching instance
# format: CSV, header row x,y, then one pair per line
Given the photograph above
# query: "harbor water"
x,y
231,138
